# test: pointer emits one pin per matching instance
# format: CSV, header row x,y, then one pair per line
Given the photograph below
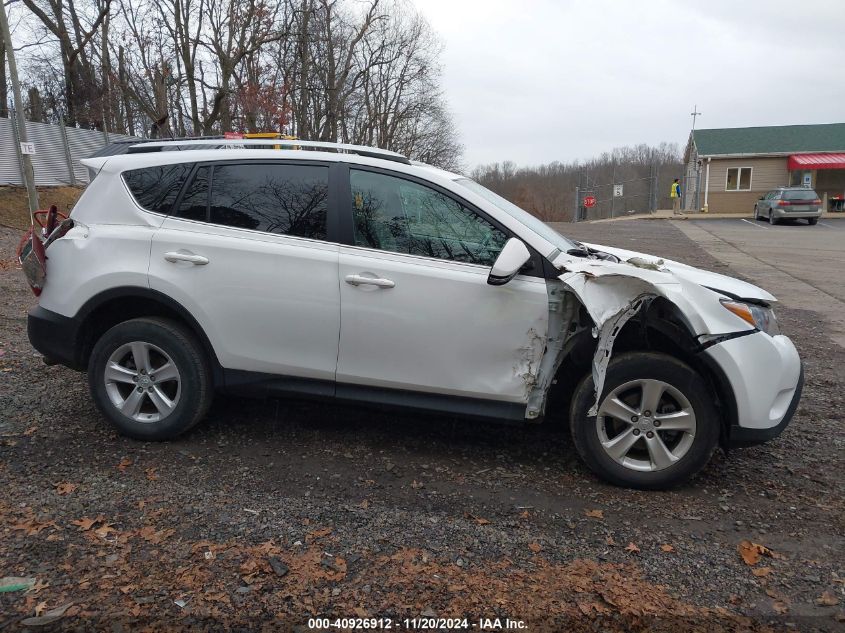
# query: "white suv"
x,y
337,271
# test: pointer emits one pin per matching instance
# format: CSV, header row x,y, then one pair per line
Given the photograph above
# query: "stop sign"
x,y
589,201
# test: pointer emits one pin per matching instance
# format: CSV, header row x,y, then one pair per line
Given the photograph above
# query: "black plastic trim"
x,y
55,336
257,383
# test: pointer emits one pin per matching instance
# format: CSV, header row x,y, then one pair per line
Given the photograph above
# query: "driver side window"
x,y
393,214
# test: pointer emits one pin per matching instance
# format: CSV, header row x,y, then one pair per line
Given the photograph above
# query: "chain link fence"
x,y
58,150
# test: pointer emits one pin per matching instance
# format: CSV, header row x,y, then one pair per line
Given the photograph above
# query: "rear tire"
x,y
756,213
124,385
772,219
618,450
812,221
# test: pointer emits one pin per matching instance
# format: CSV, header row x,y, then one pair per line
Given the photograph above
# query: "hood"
x,y
734,288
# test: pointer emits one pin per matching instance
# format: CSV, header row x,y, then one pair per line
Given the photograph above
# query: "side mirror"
x,y
513,257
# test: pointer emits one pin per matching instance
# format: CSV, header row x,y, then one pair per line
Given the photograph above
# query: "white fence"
x,y
58,150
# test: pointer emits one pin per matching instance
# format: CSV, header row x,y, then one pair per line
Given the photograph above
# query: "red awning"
x,y
816,161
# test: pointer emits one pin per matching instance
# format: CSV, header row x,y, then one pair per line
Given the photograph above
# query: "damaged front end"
x,y
613,287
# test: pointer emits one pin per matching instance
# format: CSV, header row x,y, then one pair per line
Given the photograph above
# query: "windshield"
x,y
535,224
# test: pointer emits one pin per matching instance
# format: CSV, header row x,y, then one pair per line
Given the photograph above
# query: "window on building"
x,y
394,214
739,179
277,198
156,188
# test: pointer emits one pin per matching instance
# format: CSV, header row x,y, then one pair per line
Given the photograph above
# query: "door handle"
x,y
361,280
179,256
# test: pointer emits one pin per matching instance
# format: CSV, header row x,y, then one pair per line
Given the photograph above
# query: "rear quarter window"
x,y
156,188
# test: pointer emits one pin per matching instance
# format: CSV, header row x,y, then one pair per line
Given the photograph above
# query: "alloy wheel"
x,y
142,381
646,425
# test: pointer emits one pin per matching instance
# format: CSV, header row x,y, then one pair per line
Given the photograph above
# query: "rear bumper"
x,y
782,214
766,377
55,336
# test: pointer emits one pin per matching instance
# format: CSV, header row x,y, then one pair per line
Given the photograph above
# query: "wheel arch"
x,y
658,327
116,305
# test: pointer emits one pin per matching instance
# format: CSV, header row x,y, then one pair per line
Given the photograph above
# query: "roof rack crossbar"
x,y
220,143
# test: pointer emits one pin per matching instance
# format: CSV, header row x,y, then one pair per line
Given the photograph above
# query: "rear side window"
x,y
276,198
194,204
800,194
156,188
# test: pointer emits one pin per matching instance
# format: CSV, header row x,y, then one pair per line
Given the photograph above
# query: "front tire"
x,y
656,426
812,221
150,378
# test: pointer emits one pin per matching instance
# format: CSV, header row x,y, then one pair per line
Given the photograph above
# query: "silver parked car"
x,y
794,203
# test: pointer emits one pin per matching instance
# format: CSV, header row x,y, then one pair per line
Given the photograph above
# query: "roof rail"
x,y
221,143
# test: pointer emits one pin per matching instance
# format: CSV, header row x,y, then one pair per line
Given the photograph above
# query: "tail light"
x,y
47,227
817,201
784,203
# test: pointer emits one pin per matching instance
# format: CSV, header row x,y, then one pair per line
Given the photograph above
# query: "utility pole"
x,y
28,174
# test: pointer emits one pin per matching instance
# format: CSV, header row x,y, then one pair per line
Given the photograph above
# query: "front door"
x,y
416,310
246,252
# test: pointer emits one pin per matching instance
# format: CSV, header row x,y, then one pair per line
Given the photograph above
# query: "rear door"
x,y
417,312
247,251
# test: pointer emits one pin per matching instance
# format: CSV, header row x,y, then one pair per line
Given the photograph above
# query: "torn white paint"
x,y
613,292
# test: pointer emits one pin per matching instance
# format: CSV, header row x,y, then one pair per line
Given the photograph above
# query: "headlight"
x,y
758,316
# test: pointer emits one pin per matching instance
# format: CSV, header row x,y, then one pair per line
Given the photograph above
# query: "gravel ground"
x,y
274,511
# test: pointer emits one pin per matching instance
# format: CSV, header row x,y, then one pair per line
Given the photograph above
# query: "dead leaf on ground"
x,y
151,473
364,504
609,540
124,464
65,488
478,520
827,599
751,552
149,534
416,485
86,524
47,617
667,548
762,572
780,607
104,530
594,514
632,547
535,547
33,526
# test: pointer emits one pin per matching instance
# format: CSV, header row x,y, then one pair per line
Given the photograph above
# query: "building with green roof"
x,y
729,169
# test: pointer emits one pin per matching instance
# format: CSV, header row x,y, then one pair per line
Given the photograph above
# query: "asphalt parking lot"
x,y
272,510
801,265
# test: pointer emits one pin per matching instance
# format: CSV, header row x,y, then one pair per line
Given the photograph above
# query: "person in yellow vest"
x,y
675,194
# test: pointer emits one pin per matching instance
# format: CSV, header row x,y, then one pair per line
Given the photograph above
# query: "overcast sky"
x,y
540,80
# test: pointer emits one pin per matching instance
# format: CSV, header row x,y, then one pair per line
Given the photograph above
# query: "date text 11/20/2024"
x,y
418,624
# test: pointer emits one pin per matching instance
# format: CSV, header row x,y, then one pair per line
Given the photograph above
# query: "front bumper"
x,y
766,378
55,336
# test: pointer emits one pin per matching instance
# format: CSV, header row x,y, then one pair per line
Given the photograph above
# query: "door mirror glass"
x,y
513,257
